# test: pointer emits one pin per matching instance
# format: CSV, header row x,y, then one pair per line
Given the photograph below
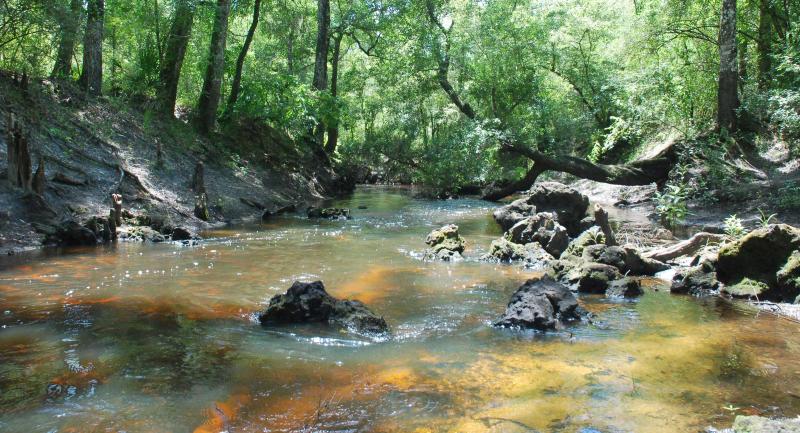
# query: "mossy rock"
x,y
747,288
593,236
446,238
760,256
789,275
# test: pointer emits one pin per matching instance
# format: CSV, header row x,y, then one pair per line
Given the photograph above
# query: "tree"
x,y
237,76
212,84
727,93
333,128
321,60
764,43
70,23
92,75
177,41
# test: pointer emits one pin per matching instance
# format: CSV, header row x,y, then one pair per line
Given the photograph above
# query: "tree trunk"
x,y
92,74
237,76
39,181
764,44
18,153
212,85
321,62
727,93
177,41
69,35
333,128
116,209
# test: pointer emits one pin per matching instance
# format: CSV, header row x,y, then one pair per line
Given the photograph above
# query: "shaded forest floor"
x,y
93,148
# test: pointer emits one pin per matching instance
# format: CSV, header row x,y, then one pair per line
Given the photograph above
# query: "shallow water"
x,y
162,338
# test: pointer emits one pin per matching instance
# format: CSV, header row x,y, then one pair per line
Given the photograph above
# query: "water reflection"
x,y
152,338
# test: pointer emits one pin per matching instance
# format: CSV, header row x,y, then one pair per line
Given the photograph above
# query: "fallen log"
x,y
685,248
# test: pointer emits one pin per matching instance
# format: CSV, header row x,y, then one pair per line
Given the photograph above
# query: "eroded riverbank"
x,y
141,337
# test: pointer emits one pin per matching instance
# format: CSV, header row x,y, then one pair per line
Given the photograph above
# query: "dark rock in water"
x,y
699,280
624,288
759,257
279,211
513,213
542,228
181,234
70,233
584,277
627,260
568,203
541,304
310,303
331,213
445,244
532,254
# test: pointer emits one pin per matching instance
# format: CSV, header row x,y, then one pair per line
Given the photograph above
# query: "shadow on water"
x,y
152,338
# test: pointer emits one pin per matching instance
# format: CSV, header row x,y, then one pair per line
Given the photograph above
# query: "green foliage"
x,y
734,227
765,220
788,197
671,204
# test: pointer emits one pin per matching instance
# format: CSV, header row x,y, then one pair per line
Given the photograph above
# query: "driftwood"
x,y
19,157
685,248
601,220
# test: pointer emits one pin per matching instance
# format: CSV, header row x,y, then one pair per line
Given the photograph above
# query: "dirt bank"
x,y
92,148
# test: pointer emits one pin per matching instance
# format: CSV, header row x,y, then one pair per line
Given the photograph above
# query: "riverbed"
x,y
163,338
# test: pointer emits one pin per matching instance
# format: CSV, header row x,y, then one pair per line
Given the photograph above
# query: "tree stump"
x,y
601,220
19,157
112,225
201,206
39,180
116,212
198,179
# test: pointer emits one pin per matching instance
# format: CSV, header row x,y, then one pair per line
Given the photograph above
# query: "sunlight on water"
x,y
163,338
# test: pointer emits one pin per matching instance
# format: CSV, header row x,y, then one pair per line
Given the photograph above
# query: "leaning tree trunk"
x,y
212,85
642,172
199,188
177,41
69,34
764,44
333,128
321,62
92,74
727,93
18,153
237,75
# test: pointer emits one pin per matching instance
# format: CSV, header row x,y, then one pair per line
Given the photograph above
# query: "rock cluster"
x,y
763,264
310,303
331,213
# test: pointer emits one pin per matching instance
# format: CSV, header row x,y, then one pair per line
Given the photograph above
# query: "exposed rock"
x,y
757,424
789,275
513,213
759,256
699,280
624,288
181,234
541,304
593,236
627,260
568,203
310,303
747,288
331,213
542,228
532,255
70,233
445,244
141,234
584,277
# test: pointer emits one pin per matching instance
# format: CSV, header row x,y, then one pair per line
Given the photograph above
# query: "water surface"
x,y
162,338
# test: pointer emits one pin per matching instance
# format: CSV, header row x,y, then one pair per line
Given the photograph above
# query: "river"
x,y
163,338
